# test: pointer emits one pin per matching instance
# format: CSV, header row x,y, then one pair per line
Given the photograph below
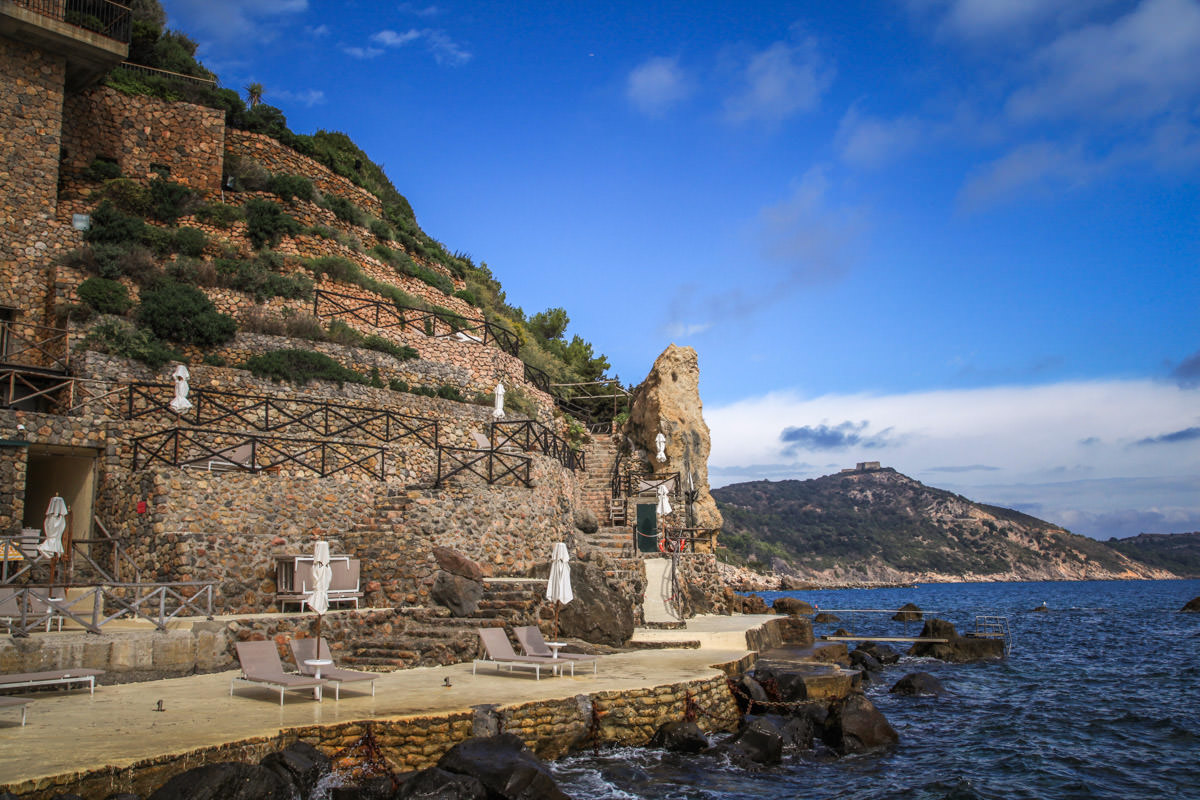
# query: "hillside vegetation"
x,y
880,525
544,342
1177,552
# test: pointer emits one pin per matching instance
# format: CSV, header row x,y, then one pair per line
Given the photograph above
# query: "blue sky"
x,y
959,237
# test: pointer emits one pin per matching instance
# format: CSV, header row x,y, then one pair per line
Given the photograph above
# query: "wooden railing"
x,y
381,314
105,549
218,451
39,607
493,466
110,20
212,408
532,436
39,346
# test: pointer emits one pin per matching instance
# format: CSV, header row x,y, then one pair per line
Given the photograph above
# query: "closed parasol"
x,y
54,526
322,574
558,588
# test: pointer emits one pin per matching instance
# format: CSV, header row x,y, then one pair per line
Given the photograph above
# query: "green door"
x,y
647,528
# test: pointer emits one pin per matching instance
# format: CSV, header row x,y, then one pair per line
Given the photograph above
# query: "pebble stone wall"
x,y
31,97
139,132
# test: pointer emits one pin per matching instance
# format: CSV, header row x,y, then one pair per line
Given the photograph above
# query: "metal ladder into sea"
x,y
993,627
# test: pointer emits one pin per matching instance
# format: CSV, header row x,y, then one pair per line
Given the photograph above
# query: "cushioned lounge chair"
x,y
53,677
261,665
306,649
499,652
13,702
532,642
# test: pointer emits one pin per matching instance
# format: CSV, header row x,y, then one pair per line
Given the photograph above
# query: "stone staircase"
x,y
597,481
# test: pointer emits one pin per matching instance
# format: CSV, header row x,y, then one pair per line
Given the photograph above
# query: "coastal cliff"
x,y
878,525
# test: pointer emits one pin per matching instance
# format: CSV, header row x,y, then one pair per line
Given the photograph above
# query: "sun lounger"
x,y
56,677
307,649
499,652
532,642
13,702
260,664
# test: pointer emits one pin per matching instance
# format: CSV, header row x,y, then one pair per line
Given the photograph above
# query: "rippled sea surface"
x,y
1100,698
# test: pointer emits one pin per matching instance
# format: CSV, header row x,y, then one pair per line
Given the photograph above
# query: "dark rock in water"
x,y
680,737
505,768
796,732
299,765
460,595
841,632
753,604
1192,605
957,648
599,613
379,788
909,612
752,689
883,653
917,684
823,617
67,797
1042,609
225,781
117,796
864,660
856,726
757,741
438,784
797,681
792,606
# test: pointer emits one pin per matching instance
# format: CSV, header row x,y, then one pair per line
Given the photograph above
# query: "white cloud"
x,y
229,22
808,233
1138,65
389,38
980,20
778,82
683,330
320,30
363,52
1038,165
1031,439
308,97
868,141
656,85
445,50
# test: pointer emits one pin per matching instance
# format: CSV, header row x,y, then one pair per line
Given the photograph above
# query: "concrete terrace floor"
x,y
71,731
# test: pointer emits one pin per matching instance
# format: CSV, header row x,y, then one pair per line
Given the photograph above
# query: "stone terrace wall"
x,y
277,158
138,131
31,98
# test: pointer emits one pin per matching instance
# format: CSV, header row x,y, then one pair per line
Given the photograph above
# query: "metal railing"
x,y
279,415
532,436
493,466
32,608
439,324
538,379
27,345
679,540
110,20
165,73
222,451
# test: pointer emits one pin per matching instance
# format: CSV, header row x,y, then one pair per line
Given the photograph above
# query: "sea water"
x,y
1100,697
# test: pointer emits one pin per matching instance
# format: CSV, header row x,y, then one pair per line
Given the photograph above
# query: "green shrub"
x,y
344,210
303,326
397,385
290,186
336,269
267,223
121,339
401,351
169,201
381,230
403,263
112,226
300,366
127,195
102,169
159,240
190,242
184,314
257,279
219,214
214,360
186,269
105,296
325,232
466,296
448,392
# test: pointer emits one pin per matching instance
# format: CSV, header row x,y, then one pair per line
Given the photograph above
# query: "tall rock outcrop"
x,y
668,400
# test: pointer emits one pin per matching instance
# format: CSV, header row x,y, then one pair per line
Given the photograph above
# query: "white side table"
x,y
317,663
554,647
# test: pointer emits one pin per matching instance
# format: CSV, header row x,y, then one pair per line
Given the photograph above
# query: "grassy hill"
x,y
1177,552
882,525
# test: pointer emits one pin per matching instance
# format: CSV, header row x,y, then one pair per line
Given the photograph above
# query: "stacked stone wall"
x,y
31,99
277,158
139,132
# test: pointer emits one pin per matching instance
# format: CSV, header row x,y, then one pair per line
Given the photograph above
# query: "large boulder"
x,y
918,684
680,737
585,520
909,612
960,649
504,766
460,595
758,741
882,653
436,783
797,730
825,617
668,400
1192,605
456,563
865,661
225,781
299,765
599,613
856,726
792,605
796,681
753,604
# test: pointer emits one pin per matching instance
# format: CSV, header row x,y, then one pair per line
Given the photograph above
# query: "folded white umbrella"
x,y
558,588
664,505
54,526
322,573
